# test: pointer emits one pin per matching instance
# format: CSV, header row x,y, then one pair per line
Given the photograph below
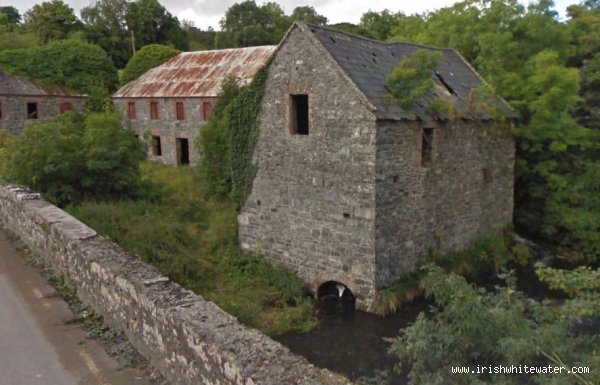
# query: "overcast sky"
x,y
205,13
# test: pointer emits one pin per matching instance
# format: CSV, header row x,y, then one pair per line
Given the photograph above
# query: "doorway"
x,y
183,151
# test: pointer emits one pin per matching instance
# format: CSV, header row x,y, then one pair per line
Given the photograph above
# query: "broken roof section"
x,y
12,85
367,63
197,74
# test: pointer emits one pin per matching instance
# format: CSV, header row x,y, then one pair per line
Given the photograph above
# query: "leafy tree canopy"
x,y
51,20
72,158
12,14
80,66
148,57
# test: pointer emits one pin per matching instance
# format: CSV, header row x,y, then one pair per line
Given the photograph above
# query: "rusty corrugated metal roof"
x,y
197,74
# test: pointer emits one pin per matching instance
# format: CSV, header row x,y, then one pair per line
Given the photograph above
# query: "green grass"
x,y
193,241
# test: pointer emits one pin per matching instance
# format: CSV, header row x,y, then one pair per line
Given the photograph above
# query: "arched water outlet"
x,y
333,294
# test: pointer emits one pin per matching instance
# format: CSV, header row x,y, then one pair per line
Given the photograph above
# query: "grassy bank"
x,y
194,242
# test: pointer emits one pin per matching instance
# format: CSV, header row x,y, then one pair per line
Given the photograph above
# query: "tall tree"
x,y
105,25
12,14
308,15
246,24
151,23
51,20
380,24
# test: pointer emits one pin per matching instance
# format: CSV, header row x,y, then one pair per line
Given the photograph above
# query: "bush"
x,y
472,327
72,158
80,66
148,57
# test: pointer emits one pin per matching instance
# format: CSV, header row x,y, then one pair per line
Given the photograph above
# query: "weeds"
x,y
193,241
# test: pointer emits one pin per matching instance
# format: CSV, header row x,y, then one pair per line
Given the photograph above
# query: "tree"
x,y
473,327
72,158
380,24
51,20
308,14
80,66
12,14
151,23
148,57
246,24
104,24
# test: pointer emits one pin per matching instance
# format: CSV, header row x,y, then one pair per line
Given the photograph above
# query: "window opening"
x,y
153,110
206,109
180,110
299,114
156,147
64,107
131,112
32,111
426,146
183,151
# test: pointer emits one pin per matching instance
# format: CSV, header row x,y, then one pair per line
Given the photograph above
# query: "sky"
x,y
205,13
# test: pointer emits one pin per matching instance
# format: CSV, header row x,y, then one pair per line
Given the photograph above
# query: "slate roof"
x,y
197,74
367,63
20,86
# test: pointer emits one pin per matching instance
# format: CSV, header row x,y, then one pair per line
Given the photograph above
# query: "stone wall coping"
x,y
191,339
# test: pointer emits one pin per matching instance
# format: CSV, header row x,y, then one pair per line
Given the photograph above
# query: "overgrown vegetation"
x,y
473,327
72,158
193,241
486,258
226,143
411,79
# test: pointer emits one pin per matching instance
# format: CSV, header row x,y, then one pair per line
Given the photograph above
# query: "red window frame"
x,y
64,107
179,110
131,110
154,110
206,109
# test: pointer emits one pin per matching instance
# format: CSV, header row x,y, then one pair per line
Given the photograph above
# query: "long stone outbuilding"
x,y
24,100
353,189
168,105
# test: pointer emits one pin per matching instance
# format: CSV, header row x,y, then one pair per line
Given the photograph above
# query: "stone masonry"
x,y
353,201
190,340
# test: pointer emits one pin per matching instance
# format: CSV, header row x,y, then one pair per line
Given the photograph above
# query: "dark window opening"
x,y
32,111
183,151
426,146
1,114
153,110
156,147
487,177
64,107
206,109
131,112
299,112
441,79
180,110
346,215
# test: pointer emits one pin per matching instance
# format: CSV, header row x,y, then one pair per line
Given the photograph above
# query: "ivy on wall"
x,y
227,141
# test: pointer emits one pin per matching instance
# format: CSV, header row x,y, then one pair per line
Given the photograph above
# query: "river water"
x,y
353,343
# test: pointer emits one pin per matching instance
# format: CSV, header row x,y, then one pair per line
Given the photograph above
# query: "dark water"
x,y
351,342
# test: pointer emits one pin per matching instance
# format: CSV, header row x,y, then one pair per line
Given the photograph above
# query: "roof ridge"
x,y
225,49
371,40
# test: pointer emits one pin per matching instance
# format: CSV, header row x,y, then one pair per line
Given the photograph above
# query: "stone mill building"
x,y
168,104
351,188
25,100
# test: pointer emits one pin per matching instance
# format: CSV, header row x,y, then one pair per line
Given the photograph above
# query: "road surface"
x,y
37,347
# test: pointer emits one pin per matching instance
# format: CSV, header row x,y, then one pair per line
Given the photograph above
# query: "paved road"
x,y
36,346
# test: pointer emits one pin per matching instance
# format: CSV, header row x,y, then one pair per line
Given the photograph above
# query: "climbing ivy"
x,y
244,129
410,80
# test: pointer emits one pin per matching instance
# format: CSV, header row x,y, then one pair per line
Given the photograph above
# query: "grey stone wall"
x,y
312,205
190,340
466,191
351,202
14,109
167,127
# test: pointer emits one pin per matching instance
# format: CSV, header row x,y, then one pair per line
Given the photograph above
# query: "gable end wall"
x,y
312,204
